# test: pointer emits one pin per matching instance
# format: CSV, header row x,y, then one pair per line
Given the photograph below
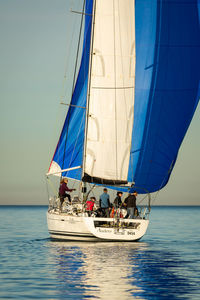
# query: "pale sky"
x,y
34,39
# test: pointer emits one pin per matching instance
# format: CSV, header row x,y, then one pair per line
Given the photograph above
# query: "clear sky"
x,y
33,55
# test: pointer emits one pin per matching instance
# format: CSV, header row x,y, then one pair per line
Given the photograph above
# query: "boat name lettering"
x,y
104,230
119,232
130,233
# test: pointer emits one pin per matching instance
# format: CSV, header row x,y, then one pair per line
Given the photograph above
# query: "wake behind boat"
x,y
133,97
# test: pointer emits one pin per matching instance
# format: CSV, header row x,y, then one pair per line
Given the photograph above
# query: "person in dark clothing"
x,y
100,213
62,191
118,200
130,203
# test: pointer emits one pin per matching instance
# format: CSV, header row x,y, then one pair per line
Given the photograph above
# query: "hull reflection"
x,y
115,270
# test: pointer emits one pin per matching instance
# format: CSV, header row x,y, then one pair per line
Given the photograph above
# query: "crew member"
x,y
62,191
130,204
104,202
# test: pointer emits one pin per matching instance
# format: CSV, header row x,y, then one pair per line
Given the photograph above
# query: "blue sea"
x,y
165,264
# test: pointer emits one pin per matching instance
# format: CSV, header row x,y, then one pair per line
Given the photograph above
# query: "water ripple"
x,y
164,265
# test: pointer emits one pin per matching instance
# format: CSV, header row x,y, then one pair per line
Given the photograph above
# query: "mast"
x,y
88,89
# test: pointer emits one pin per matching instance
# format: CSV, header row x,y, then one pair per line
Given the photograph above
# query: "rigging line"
x,y
73,85
93,192
73,105
90,190
65,73
68,57
155,196
79,190
142,199
51,185
83,50
47,187
80,13
79,40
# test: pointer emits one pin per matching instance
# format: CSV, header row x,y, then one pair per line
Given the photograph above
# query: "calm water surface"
x,y
165,264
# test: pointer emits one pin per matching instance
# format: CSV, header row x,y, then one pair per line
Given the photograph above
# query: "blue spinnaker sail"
x,y
167,87
69,151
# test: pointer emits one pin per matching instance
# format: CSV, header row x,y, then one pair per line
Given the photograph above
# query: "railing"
x,y
77,208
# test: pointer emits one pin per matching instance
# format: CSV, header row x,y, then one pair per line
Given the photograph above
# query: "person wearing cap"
x,y
62,191
130,204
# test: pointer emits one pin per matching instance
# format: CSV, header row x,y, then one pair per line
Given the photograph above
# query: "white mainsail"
x,y
111,94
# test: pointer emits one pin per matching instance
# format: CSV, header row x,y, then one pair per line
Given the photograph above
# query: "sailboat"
x,y
132,101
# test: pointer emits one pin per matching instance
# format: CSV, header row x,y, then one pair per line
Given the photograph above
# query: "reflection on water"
x,y
164,265
116,271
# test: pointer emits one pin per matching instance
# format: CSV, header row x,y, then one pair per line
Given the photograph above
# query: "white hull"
x,y
83,228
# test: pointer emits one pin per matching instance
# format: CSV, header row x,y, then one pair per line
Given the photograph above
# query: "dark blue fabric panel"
x,y
145,31
173,94
69,151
